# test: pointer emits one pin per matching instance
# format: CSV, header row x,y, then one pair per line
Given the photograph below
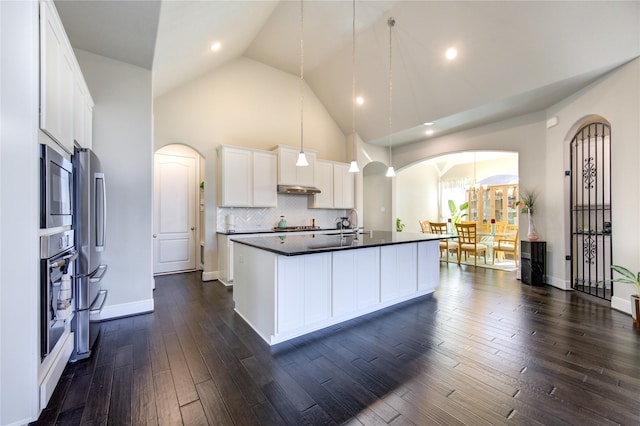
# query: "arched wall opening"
x,y
423,189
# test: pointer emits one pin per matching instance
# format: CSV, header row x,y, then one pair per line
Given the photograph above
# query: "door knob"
x,y
192,228
155,235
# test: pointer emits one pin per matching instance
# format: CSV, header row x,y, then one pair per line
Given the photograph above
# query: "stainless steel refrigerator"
x,y
89,223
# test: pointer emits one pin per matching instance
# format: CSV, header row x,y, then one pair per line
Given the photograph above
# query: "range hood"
x,y
296,189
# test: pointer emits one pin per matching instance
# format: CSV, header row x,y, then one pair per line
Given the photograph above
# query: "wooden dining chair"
x,y
468,242
446,245
425,226
509,245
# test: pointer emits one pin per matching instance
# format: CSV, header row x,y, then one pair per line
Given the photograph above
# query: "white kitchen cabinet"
x,y
336,186
343,183
247,177
57,65
289,173
324,182
225,260
83,113
265,179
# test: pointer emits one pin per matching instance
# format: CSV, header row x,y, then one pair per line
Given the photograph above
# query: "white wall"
x,y
246,103
615,97
122,139
417,195
19,206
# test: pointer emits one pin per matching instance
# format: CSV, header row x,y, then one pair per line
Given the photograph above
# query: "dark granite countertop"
x,y
274,231
295,245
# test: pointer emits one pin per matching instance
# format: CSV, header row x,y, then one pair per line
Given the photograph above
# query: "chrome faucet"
x,y
354,223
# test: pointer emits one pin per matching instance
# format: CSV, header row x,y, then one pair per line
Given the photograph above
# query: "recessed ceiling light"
x,y
360,100
215,46
451,53
429,132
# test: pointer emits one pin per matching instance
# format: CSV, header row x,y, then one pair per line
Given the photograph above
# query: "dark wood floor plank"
x,y
182,380
121,391
143,398
193,414
168,410
213,404
96,409
484,348
158,353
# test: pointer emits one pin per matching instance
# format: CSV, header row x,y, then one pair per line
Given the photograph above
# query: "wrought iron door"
x,y
591,210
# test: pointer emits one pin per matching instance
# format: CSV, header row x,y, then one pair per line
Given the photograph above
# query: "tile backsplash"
x,y
294,208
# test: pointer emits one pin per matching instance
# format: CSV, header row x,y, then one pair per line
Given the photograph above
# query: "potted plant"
x,y
629,277
457,213
526,203
399,225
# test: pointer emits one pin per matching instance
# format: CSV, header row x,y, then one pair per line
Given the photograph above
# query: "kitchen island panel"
x,y
256,303
428,265
398,271
355,280
303,293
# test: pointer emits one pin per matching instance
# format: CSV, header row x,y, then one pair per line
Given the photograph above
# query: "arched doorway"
x,y
590,207
177,219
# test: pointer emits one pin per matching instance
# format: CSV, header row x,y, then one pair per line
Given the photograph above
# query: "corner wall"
x,y
122,139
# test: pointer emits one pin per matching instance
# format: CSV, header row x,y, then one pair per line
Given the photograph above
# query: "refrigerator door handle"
x,y
97,275
100,210
97,305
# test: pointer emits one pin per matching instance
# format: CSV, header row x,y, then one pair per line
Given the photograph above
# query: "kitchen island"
x,y
290,285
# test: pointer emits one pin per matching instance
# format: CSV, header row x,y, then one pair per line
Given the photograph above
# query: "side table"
x,y
533,256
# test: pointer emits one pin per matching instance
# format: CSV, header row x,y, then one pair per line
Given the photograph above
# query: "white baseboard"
x,y
125,309
210,275
560,283
621,304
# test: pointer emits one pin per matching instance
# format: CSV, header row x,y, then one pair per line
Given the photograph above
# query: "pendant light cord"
x,y
353,83
391,22
301,76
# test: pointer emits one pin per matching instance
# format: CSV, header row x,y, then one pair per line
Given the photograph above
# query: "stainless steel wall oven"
x,y
57,256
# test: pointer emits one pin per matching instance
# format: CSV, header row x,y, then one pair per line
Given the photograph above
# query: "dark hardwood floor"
x,y
483,349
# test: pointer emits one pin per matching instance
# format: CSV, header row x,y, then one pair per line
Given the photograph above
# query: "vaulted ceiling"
x,y
514,57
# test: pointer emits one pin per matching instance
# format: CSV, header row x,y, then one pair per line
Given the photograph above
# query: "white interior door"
x,y
174,224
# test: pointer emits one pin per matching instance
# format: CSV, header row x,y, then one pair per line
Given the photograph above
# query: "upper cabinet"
x,y
336,186
83,113
65,103
343,184
247,177
324,182
289,173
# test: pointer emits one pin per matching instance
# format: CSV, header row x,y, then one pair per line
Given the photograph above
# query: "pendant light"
x,y
390,171
302,159
353,167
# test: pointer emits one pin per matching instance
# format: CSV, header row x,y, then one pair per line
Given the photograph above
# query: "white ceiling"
x,y
514,57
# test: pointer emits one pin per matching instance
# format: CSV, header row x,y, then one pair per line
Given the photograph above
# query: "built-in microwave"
x,y
56,188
